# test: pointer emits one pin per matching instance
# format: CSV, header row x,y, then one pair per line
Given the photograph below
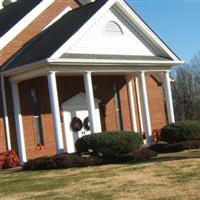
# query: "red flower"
x,y
8,159
156,135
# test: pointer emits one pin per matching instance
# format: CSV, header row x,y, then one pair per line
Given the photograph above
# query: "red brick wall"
x,y
156,103
125,107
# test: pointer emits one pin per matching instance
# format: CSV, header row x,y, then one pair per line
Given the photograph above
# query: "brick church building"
x,y
71,68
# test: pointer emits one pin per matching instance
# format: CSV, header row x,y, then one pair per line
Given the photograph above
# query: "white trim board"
x,y
90,63
80,70
24,22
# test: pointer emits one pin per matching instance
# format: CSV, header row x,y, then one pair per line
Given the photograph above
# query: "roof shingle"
x,y
14,12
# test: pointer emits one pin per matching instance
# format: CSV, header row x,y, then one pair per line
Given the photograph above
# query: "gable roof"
x,y
14,12
45,44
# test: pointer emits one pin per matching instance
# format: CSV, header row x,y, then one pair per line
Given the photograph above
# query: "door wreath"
x,y
86,123
76,124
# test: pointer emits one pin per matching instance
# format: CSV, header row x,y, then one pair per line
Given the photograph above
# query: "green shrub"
x,y
137,155
180,131
167,148
42,163
175,147
109,143
61,161
144,154
66,160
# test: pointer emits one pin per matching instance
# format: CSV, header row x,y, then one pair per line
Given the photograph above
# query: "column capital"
x,y
165,72
13,81
51,72
142,71
131,76
138,73
88,72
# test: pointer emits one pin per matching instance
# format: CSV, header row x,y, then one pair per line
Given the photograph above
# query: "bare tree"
x,y
186,90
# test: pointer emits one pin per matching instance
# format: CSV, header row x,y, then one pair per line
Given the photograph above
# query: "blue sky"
x,y
177,22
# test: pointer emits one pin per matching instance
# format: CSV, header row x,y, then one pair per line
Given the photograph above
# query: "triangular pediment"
x,y
113,35
116,30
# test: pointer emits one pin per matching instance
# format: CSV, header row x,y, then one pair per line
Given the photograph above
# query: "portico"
x,y
52,69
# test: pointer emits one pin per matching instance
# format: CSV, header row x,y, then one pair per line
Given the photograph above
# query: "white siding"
x,y
101,39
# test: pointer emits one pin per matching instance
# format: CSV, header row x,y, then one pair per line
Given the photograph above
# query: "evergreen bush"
x,y
109,143
180,131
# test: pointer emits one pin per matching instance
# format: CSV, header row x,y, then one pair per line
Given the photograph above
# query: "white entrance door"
x,y
76,107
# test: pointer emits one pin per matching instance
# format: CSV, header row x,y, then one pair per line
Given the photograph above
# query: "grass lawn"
x,y
157,179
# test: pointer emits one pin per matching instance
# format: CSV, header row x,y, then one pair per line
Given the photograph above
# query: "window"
x,y
118,107
113,28
37,117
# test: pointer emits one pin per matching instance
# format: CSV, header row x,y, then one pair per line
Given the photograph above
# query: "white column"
x,y
132,104
145,108
168,98
90,101
18,122
55,111
6,122
139,105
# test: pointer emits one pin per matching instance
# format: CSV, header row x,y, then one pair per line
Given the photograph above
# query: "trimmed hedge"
x,y
175,147
180,131
137,155
109,143
61,161
73,160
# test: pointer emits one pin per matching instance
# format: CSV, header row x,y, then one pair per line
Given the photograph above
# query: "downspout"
x,y
6,122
